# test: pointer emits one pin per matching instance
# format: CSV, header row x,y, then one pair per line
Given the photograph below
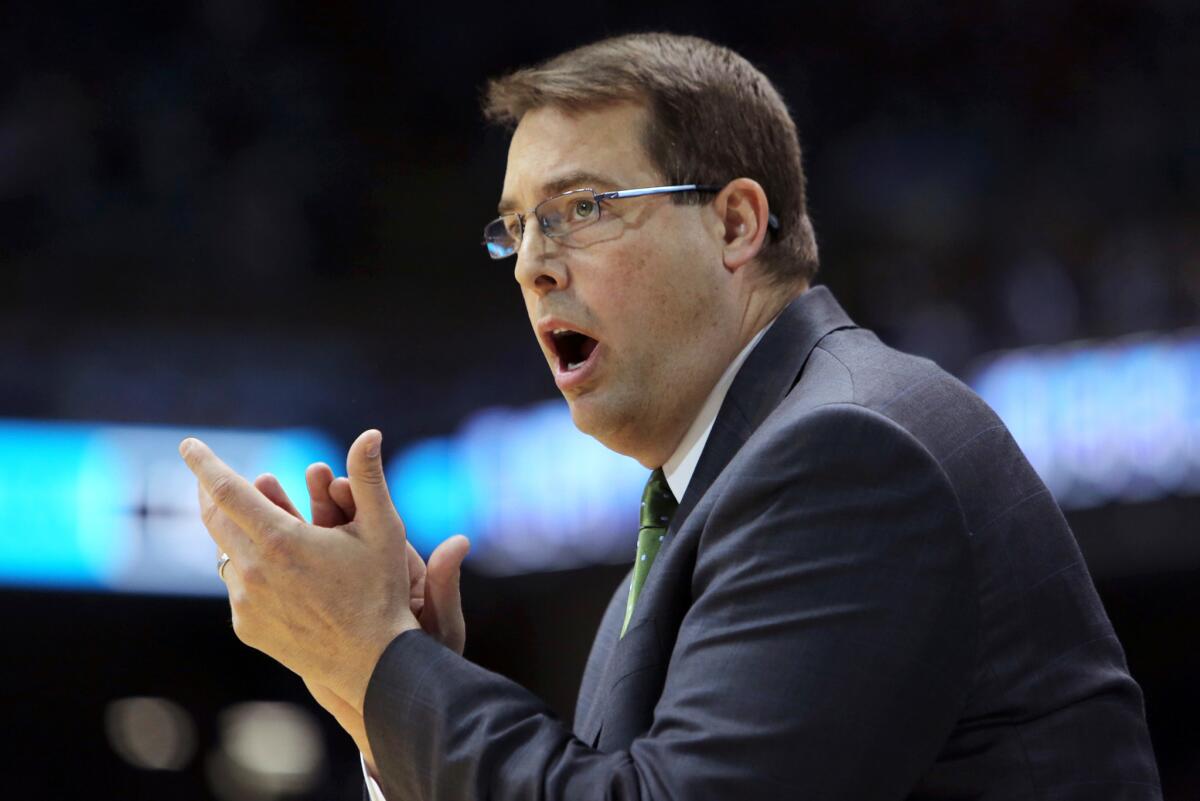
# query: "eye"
x,y
583,209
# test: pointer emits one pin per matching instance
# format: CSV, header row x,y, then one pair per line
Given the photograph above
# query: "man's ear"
x,y
742,209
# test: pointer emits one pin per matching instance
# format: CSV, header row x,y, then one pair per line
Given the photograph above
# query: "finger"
x,y
364,468
230,576
325,510
246,506
443,616
225,533
268,485
416,578
339,490
416,566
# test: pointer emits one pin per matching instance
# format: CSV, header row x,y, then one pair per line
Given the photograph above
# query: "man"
x,y
863,592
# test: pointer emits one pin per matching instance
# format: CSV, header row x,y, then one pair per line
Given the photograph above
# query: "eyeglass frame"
x,y
618,194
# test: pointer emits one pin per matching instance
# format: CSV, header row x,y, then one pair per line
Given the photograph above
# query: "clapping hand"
x,y
325,599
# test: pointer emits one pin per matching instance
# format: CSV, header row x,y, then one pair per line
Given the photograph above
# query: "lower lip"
x,y
571,379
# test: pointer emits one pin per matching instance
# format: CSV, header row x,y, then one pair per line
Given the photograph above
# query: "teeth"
x,y
557,331
573,366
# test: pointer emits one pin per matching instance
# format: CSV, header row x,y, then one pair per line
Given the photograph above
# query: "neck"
x,y
756,310
762,306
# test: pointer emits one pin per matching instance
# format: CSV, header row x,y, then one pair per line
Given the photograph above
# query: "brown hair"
x,y
713,118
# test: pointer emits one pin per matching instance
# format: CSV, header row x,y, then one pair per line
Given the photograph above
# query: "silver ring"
x,y
221,562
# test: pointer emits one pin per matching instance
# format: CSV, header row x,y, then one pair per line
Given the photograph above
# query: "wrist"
x,y
354,688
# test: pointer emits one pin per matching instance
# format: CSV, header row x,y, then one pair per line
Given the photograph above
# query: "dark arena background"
x,y
260,222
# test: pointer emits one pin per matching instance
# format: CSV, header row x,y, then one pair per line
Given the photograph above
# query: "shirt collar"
x,y
679,468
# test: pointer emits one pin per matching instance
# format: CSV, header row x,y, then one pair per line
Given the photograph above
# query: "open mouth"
x,y
572,348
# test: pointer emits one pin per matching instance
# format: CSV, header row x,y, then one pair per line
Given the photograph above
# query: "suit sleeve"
x,y
825,654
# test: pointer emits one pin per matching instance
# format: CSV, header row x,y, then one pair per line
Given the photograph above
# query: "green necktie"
x,y
658,504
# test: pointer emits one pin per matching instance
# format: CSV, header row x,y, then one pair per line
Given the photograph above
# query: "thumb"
x,y
442,616
364,467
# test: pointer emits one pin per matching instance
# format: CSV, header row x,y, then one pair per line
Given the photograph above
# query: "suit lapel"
x,y
764,380
770,372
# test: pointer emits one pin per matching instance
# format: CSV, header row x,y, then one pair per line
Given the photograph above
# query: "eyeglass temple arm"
x,y
772,220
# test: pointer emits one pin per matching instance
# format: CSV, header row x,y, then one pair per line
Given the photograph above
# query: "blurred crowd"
x,y
268,214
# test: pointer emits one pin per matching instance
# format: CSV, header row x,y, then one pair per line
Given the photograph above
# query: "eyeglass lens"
x,y
557,216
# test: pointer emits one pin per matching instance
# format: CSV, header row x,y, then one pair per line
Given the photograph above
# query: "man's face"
x,y
645,286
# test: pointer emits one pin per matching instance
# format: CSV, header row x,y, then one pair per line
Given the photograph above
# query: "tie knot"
x,y
658,504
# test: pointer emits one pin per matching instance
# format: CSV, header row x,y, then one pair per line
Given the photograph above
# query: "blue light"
x,y
435,493
114,507
1104,422
530,490
61,506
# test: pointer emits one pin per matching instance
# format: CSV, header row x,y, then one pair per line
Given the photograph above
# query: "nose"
x,y
539,268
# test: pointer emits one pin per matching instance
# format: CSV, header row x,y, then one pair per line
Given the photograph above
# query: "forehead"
x,y
551,147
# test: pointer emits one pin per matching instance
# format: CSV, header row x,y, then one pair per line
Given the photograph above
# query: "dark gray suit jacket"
x,y
866,593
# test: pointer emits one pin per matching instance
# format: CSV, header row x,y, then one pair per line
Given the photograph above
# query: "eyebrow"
x,y
578,179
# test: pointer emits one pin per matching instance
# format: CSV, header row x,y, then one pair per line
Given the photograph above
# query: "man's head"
x,y
663,290
712,117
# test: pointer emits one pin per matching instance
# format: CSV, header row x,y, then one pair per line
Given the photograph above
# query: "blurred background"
x,y
260,221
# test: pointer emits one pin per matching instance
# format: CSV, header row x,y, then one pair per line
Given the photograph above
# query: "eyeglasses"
x,y
567,213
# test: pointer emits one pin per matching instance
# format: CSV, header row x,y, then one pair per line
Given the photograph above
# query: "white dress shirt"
x,y
682,464
678,469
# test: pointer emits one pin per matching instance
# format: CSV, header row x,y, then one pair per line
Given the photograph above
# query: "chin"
x,y
603,422
585,416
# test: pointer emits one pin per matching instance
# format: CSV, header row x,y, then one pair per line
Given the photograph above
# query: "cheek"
x,y
656,306
674,290
634,295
